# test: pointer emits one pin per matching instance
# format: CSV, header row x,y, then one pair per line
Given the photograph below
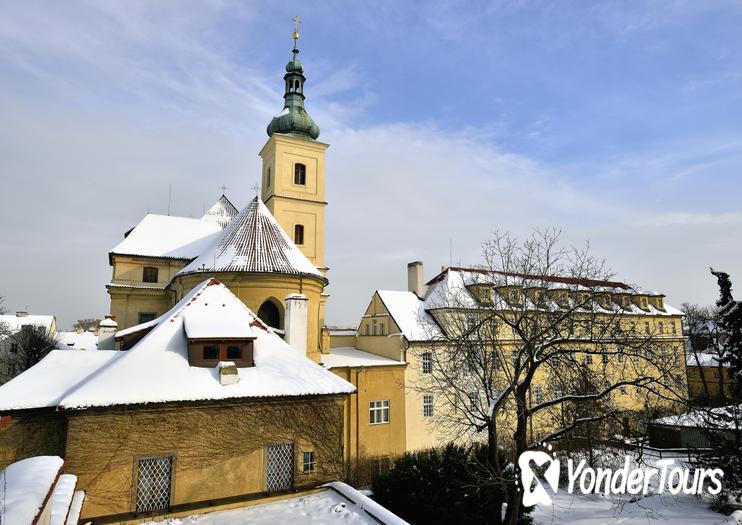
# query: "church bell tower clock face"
x,y
293,178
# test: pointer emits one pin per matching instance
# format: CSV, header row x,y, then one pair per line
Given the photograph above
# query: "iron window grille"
x,y
154,483
279,467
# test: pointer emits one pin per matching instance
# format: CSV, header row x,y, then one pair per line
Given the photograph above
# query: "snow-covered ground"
x,y
655,509
322,508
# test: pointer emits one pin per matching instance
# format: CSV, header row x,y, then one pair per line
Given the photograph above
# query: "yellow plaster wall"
x,y
379,383
219,451
293,204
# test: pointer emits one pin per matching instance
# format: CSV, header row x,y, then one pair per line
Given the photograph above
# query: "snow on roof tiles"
x,y
24,487
221,212
47,382
168,237
77,340
157,370
253,242
409,313
14,322
350,356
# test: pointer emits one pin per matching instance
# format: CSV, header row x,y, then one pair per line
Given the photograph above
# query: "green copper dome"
x,y
294,119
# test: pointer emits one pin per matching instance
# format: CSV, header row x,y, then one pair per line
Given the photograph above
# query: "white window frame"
x,y
308,465
427,362
428,405
538,395
378,412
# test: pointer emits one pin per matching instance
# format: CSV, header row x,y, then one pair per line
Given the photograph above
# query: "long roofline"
x,y
589,283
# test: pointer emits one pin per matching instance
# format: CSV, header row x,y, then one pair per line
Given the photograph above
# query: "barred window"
x,y
154,477
427,360
428,405
378,412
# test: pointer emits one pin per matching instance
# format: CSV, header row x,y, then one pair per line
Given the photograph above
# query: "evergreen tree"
x,y
730,323
725,423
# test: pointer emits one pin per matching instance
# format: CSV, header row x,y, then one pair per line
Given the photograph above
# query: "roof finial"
x,y
296,30
224,188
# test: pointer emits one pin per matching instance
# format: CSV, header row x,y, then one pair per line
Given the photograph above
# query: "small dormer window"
x,y
234,352
300,174
208,353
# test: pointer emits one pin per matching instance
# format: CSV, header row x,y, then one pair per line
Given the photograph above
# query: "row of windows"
x,y
154,476
375,328
378,411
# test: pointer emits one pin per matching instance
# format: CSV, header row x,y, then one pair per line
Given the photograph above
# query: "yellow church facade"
x,y
163,257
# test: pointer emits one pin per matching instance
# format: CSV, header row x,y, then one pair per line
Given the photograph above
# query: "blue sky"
x,y
620,122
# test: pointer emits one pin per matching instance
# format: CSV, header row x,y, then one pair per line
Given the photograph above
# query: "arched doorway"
x,y
270,314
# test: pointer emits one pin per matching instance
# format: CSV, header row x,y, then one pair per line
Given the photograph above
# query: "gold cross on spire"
x,y
296,30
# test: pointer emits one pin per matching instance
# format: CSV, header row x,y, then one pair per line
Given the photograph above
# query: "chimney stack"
x,y
106,331
228,374
21,313
415,283
295,321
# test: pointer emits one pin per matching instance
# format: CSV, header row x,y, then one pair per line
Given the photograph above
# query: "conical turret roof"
x,y
253,242
221,212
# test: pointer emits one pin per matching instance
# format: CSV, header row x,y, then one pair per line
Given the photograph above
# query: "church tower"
x,y
293,176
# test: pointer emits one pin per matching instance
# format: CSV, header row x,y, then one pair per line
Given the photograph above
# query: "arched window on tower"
x,y
298,234
300,174
268,178
270,314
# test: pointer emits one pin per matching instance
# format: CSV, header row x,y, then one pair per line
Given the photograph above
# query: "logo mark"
x,y
533,491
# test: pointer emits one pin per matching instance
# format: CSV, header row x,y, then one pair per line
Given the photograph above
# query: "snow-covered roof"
x,y
342,332
47,382
205,321
253,242
716,418
14,322
156,369
77,340
169,237
61,499
409,313
24,487
338,504
703,359
221,212
350,356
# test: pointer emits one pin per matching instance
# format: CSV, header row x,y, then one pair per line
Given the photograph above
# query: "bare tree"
x,y
84,325
26,347
536,345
